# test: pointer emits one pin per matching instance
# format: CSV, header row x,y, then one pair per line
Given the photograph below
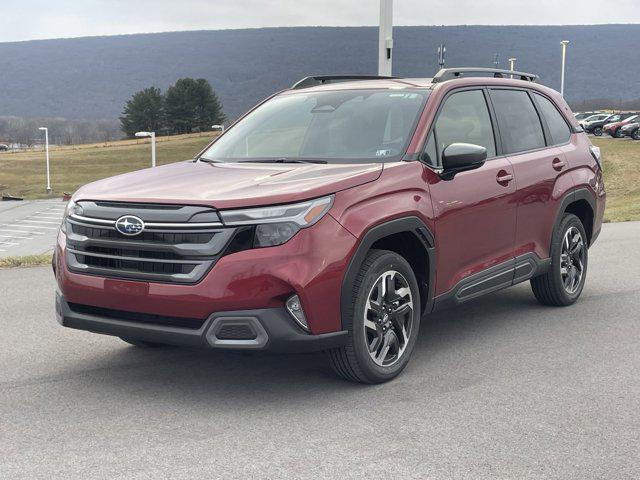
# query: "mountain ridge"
x,y
92,77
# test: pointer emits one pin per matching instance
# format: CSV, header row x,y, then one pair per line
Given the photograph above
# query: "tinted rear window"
x,y
558,128
518,120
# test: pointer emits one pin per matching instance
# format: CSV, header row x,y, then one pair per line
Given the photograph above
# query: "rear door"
x,y
475,212
532,131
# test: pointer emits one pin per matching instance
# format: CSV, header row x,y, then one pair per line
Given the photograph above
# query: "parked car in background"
x,y
583,115
4,147
595,118
631,130
613,128
595,123
596,126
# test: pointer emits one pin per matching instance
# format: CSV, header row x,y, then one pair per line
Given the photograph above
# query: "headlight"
x,y
72,208
276,225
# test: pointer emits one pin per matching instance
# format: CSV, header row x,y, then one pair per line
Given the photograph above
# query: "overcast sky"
x,y
36,19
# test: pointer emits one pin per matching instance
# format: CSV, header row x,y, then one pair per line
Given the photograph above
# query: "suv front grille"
x,y
158,237
172,248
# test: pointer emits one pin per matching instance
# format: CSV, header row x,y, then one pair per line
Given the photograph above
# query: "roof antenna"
x,y
442,50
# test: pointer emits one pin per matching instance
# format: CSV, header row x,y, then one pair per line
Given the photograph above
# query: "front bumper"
x,y
310,265
268,329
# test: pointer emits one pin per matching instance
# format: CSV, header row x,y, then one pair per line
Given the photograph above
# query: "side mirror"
x,y
460,157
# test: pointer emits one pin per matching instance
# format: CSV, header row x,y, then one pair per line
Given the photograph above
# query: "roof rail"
x,y
307,82
453,73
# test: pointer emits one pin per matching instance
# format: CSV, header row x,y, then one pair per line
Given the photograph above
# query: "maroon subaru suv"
x,y
338,214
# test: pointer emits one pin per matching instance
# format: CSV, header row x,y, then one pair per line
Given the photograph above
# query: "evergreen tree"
x,y
192,105
144,112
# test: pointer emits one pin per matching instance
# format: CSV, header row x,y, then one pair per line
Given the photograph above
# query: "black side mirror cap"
x,y
460,157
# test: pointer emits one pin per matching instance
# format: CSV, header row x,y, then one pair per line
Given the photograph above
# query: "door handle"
x,y
504,177
558,164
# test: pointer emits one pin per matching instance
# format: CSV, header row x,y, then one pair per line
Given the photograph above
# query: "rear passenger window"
x,y
520,126
558,127
465,118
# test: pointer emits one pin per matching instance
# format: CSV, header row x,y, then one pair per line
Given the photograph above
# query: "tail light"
x,y
597,155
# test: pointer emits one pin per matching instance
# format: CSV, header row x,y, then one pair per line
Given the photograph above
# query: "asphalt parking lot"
x,y
29,227
500,388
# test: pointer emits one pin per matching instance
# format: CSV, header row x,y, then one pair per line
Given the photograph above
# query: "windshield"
x,y
341,126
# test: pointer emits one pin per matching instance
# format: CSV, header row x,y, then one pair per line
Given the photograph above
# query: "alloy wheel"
x,y
388,318
572,259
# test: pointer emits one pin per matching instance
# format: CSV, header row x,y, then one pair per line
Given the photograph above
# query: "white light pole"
x,y
385,38
153,144
512,64
46,149
564,44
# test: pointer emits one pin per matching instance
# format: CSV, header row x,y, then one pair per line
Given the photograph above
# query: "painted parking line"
x,y
8,244
3,230
16,236
39,221
22,225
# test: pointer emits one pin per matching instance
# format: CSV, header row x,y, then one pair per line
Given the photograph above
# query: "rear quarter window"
x,y
519,123
558,128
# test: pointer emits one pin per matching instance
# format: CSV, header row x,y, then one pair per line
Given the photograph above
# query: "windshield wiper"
x,y
208,160
284,160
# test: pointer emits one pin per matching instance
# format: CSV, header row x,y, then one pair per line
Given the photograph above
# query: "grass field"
x,y
622,178
26,261
71,167
23,173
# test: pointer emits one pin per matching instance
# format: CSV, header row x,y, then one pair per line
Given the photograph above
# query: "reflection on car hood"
x,y
230,185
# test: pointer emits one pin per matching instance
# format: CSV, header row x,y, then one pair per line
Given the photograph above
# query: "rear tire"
x,y
597,131
383,319
563,283
636,134
141,343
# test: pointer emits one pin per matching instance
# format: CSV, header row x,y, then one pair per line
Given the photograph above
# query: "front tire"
x,y
618,133
563,283
383,320
597,131
636,134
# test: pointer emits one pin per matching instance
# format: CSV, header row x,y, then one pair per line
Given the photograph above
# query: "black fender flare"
x,y
581,193
406,224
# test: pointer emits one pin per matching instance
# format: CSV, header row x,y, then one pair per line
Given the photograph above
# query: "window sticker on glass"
x,y
383,153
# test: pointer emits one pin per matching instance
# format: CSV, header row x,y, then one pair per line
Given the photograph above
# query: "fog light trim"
x,y
294,307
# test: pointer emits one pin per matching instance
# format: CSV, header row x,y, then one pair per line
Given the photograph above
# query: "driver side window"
x,y
464,118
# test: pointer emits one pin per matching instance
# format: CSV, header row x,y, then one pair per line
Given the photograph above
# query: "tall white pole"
x,y
385,38
512,64
46,149
153,149
564,44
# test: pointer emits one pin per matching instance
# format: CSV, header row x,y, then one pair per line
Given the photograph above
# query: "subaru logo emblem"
x,y
129,225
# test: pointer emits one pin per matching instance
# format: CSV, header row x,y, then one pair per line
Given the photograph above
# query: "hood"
x,y
230,185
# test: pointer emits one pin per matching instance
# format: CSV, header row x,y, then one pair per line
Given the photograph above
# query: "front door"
x,y
475,212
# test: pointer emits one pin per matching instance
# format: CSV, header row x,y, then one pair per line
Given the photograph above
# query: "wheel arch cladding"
x,y
582,204
408,237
